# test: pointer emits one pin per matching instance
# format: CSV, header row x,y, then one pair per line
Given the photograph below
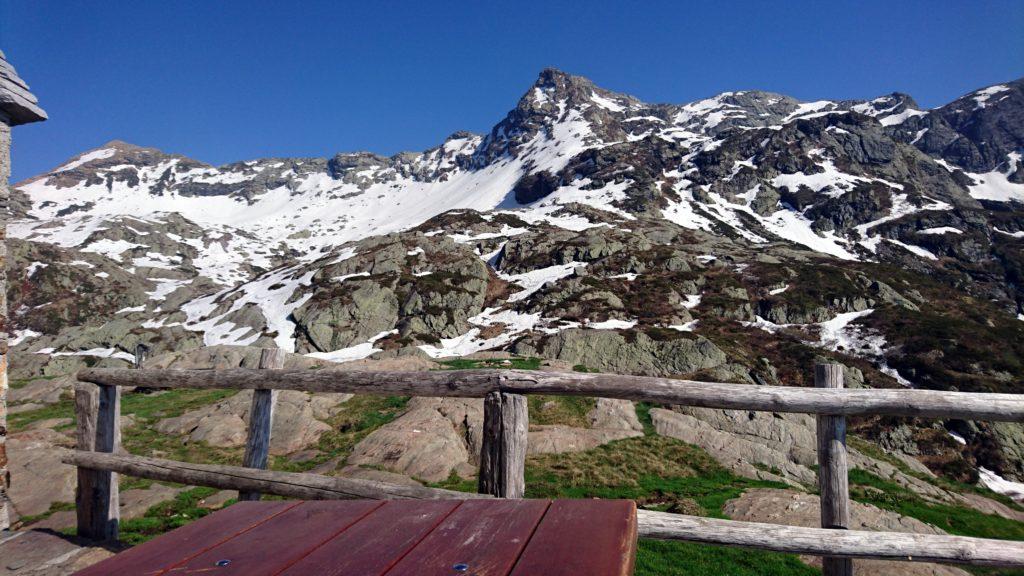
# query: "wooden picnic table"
x,y
394,537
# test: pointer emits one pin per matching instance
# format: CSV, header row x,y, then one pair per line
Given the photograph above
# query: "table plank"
x,y
273,546
189,540
377,542
486,535
592,537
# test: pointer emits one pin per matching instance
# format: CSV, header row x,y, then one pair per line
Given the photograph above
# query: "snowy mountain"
x,y
733,238
236,254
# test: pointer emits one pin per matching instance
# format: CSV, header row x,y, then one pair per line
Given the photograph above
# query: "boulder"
x,y
614,414
432,439
38,478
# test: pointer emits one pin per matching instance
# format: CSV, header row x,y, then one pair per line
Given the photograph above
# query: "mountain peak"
x,y
120,145
553,77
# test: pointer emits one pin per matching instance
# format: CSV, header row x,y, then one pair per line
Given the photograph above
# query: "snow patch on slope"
x,y
996,185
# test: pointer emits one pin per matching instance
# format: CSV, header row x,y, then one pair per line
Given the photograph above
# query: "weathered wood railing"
x,y
503,456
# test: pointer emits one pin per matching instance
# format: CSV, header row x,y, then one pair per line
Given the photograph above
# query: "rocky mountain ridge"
x,y
736,238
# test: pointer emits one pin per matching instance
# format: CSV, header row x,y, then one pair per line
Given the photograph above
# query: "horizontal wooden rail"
x,y
478,383
659,525
837,543
290,484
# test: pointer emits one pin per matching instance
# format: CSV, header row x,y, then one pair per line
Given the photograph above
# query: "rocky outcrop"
x,y
782,448
38,477
555,438
626,353
614,414
759,445
41,390
434,438
45,553
798,509
437,437
976,131
297,421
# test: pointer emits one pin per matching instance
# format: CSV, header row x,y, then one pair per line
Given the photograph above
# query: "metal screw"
x,y
223,562
460,567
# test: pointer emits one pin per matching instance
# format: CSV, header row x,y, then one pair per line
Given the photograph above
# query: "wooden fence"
x,y
502,462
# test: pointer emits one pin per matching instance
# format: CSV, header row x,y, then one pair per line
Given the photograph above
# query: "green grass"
x,y
144,440
170,403
65,408
655,471
669,558
166,516
643,413
355,419
567,410
664,474
870,489
54,508
874,451
457,483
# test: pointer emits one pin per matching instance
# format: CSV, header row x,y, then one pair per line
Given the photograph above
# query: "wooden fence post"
x,y
261,420
832,475
98,412
503,457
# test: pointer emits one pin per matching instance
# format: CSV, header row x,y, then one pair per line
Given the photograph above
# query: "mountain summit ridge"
x,y
735,238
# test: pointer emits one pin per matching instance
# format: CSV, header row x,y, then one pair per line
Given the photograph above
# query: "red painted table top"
x,y
394,537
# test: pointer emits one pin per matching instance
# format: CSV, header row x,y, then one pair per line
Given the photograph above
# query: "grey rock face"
x,y
976,131
635,353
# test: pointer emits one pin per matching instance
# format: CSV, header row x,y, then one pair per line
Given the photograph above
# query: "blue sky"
x,y
222,81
